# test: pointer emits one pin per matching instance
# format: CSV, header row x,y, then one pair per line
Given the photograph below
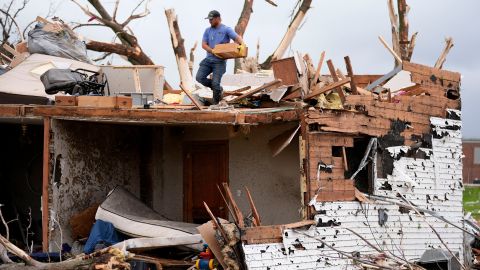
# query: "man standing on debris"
x,y
217,33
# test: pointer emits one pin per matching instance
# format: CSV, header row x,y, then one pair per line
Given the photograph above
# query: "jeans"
x,y
217,67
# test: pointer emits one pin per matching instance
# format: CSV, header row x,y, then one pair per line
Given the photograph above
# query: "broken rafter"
x,y
353,85
334,75
256,90
443,56
289,35
256,216
236,210
395,55
319,68
329,87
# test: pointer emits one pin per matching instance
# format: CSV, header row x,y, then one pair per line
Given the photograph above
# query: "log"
x,y
186,79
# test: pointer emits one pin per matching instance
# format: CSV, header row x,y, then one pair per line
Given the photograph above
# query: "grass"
x,y
471,201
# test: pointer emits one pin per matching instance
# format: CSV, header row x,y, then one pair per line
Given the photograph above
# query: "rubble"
x,y
379,159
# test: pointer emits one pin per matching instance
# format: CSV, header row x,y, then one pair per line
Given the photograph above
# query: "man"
x,y
217,33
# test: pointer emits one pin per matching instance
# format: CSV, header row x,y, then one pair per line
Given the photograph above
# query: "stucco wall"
x,y
94,158
271,180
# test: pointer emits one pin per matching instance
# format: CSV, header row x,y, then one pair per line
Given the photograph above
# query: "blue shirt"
x,y
219,35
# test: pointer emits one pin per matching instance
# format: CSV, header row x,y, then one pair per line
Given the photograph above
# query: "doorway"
x,y
205,165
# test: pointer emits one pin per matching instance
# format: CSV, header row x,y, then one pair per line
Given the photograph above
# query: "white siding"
x,y
434,183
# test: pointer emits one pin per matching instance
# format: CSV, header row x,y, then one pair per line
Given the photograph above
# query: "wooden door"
x,y
205,165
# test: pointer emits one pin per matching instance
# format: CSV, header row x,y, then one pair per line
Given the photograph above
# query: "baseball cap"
x,y
212,14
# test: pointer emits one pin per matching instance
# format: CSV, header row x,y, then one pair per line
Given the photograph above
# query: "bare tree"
x,y
128,46
10,30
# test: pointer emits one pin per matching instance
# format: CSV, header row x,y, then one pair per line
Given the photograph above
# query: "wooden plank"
x,y
65,100
122,102
263,234
256,90
136,80
286,70
394,54
45,182
96,101
345,162
256,216
333,73
216,222
353,85
192,98
238,91
233,204
317,72
326,88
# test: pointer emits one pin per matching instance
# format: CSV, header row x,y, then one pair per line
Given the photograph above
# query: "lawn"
x,y
471,201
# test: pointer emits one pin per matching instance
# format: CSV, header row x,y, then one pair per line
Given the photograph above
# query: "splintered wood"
x,y
329,134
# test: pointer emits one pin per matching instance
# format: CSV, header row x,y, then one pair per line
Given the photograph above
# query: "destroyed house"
x,y
333,182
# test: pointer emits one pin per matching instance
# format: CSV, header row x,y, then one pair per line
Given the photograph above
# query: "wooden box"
x,y
66,100
229,50
96,101
123,102
286,70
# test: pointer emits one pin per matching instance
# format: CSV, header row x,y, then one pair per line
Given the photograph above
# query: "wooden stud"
x,y
215,222
395,55
136,80
228,206
327,88
256,216
319,67
353,85
45,182
236,210
192,98
256,90
345,162
333,73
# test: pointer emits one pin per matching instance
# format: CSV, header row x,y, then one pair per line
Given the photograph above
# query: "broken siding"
x,y
433,183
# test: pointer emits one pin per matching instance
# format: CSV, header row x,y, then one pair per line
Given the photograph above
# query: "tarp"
x,y
102,232
24,79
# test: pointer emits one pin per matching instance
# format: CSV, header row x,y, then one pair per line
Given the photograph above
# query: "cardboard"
x,y
230,50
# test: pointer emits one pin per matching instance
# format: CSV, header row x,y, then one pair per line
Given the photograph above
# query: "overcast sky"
x,y
340,27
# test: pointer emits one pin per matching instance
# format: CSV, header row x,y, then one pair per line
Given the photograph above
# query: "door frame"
x,y
187,176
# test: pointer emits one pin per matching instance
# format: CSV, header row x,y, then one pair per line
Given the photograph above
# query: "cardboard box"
x,y
66,100
230,50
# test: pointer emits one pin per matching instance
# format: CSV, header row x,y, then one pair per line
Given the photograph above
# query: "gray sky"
x,y
340,27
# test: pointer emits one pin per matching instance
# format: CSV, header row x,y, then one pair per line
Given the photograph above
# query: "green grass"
x,y
471,201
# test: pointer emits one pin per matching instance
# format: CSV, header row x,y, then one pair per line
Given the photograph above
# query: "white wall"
x,y
437,186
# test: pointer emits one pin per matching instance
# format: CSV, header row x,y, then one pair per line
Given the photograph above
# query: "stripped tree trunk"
x,y
242,26
289,35
443,55
403,9
186,79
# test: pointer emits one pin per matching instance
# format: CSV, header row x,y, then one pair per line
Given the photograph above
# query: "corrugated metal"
x,y
434,183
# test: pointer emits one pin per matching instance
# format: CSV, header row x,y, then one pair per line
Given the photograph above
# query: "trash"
x,y
62,43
